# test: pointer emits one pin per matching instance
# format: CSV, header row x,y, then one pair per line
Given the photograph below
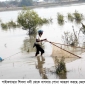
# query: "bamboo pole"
x,y
67,45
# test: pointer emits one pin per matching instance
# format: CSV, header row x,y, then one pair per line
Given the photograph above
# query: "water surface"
x,y
18,64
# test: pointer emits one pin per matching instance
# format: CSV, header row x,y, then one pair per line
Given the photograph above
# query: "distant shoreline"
x,y
42,5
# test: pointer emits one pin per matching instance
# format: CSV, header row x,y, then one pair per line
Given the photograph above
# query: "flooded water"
x,y
20,64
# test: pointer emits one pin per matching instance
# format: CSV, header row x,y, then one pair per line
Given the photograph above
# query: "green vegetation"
x,y
61,68
83,28
9,25
70,17
71,38
78,17
60,19
4,26
30,20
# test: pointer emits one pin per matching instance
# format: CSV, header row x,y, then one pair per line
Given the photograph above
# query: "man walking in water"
x,y
38,43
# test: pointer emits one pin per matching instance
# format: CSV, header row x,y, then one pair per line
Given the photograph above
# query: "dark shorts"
x,y
38,49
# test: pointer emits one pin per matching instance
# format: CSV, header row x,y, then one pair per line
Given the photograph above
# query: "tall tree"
x,y
30,20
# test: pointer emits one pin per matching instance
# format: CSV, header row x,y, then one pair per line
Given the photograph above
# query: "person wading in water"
x,y
38,43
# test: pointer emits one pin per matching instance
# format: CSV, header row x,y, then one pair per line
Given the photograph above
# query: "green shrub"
x,y
78,17
60,19
70,17
4,26
61,68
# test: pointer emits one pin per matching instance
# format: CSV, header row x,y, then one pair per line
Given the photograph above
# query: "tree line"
x,y
21,3
16,3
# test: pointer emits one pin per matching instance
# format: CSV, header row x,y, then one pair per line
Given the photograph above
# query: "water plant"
x,y
9,25
70,17
60,19
83,28
30,20
4,26
71,38
27,19
78,17
61,67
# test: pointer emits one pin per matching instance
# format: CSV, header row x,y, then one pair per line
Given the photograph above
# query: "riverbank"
x,y
42,5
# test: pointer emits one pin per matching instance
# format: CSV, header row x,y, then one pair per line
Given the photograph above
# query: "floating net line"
x,y
69,53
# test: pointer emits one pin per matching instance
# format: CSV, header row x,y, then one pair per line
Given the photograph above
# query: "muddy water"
x,y
21,64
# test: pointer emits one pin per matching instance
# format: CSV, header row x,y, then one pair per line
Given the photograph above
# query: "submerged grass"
x,y
9,25
60,19
4,26
78,17
70,17
61,67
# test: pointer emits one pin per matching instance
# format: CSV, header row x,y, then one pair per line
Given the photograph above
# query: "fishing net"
x,y
69,53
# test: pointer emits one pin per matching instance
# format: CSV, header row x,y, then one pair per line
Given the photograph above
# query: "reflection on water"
x,y
46,72
63,76
28,44
39,66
